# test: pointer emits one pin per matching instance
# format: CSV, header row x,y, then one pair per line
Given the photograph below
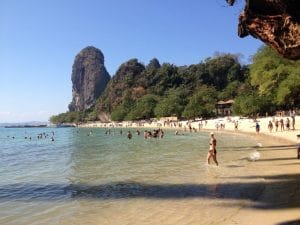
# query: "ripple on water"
x,y
76,173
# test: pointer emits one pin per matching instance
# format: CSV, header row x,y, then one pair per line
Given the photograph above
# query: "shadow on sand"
x,y
292,222
250,189
262,148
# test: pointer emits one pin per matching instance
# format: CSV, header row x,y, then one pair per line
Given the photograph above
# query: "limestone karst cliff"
x,y
275,22
89,78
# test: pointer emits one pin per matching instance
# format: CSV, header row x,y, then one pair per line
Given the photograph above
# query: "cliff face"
x,y
89,78
275,22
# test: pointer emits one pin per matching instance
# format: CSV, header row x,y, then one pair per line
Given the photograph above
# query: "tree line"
x,y
139,91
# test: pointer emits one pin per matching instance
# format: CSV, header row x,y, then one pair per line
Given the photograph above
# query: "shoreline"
x,y
246,126
279,201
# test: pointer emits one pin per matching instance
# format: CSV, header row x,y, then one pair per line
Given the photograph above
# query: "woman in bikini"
x,y
212,153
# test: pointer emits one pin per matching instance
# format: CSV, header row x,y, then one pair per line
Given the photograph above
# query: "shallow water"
x,y
108,179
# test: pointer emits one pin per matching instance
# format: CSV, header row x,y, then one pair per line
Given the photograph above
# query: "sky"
x,y
40,39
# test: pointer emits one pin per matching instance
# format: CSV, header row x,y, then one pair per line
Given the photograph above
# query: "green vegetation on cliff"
x,y
274,84
140,91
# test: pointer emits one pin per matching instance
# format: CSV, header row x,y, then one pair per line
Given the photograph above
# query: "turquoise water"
x,y
80,178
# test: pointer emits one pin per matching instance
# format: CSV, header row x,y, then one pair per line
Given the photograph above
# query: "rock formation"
x,y
126,82
275,22
89,78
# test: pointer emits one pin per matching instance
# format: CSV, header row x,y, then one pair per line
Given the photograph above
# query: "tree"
x,y
231,90
90,115
201,104
276,76
251,103
120,112
153,64
219,68
172,103
288,93
68,117
144,108
164,78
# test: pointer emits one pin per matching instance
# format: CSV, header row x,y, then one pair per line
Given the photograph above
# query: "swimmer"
x,y
212,153
129,135
161,133
155,133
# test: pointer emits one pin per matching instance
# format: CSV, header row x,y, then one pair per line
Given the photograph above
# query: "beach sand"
x,y
274,178
279,202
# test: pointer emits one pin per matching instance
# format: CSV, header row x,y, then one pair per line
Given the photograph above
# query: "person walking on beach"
x,y
236,125
281,124
276,124
257,128
212,153
270,126
293,122
287,124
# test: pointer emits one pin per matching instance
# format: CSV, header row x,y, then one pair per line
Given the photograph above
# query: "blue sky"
x,y
39,41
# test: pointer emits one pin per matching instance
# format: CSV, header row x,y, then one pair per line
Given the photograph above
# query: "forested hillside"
x,y
139,91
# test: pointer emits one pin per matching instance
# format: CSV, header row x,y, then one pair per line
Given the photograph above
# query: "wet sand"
x,y
266,192
279,171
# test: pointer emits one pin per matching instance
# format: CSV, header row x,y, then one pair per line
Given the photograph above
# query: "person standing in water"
x,y
129,135
212,153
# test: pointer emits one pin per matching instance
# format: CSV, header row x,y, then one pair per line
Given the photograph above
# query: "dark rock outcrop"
x,y
89,78
275,22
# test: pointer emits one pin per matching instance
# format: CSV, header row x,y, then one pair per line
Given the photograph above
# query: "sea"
x,y
87,176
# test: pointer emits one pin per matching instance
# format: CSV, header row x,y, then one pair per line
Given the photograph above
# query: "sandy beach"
x,y
245,125
277,171
279,203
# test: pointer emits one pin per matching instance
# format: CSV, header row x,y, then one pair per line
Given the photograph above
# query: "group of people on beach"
x,y
288,124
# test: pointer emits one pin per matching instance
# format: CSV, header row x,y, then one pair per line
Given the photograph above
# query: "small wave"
x,y
254,156
259,144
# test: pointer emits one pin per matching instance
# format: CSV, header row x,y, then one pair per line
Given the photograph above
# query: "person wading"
x,y
212,153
